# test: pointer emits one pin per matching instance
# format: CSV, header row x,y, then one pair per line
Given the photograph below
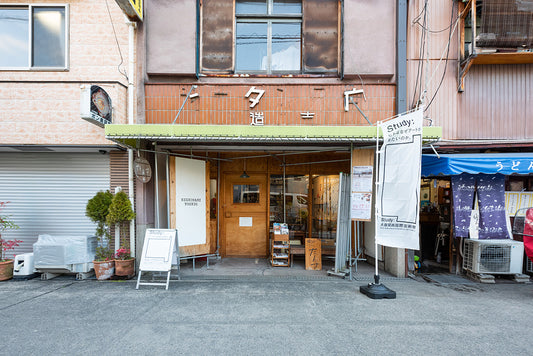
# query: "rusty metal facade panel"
x,y
217,36
441,108
279,105
321,36
439,18
496,103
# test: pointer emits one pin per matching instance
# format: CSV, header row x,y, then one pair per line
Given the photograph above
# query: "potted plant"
x,y
120,214
97,210
6,265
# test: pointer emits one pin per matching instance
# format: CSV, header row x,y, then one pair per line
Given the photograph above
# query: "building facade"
x,y
471,64
250,110
51,160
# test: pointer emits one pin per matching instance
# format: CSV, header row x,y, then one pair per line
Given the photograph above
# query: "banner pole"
x,y
376,246
377,290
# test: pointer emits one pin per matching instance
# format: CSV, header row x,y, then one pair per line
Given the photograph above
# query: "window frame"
x,y
29,8
269,18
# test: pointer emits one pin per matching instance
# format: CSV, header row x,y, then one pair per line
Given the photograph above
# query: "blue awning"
x,y
488,163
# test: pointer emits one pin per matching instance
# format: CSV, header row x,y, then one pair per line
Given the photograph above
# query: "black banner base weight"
x,y
377,291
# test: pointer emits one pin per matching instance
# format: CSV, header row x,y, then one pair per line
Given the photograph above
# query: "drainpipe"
x,y
401,84
401,56
131,102
197,62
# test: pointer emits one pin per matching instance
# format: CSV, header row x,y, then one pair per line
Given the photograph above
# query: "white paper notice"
x,y
361,206
362,179
245,221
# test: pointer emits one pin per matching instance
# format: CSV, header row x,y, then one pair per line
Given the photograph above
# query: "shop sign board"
x,y
159,253
132,8
96,106
191,201
313,254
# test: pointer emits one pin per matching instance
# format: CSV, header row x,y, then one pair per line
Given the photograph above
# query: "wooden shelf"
x,y
281,250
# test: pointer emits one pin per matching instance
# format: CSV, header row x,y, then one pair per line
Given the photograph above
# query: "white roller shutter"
x,y
48,193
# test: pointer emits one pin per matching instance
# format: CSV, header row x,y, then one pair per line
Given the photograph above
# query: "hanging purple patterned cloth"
x,y
491,197
463,188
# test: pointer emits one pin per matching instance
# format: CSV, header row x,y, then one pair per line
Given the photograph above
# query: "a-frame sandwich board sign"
x,y
157,255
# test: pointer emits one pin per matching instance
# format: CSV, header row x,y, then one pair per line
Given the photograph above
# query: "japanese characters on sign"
x,y
258,118
255,100
515,165
254,95
313,254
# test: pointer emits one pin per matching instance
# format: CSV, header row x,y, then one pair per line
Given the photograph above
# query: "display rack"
x,y
281,250
444,200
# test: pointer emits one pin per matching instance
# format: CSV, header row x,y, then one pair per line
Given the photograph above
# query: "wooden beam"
x,y
504,58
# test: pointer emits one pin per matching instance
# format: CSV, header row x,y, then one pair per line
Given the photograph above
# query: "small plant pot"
x,y
125,267
104,269
6,270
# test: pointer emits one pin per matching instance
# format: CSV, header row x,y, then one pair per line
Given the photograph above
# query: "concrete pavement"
x,y
263,316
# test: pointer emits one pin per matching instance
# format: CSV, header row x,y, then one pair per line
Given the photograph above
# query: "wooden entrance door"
x,y
245,215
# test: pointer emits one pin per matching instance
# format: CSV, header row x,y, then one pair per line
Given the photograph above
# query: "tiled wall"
x,y
43,107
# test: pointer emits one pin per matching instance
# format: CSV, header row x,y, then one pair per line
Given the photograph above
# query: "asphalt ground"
x,y
264,316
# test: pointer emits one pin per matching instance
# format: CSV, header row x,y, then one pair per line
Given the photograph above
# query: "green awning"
x,y
128,134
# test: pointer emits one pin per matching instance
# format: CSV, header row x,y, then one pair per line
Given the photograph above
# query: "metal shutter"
x,y
48,193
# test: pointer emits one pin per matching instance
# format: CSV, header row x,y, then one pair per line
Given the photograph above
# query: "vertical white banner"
x,y
398,193
190,202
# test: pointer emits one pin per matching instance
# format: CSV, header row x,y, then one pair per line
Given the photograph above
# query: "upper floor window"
x,y
268,36
494,32
33,37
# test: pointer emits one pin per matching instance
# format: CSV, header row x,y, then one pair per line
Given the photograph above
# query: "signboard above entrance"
x,y
96,106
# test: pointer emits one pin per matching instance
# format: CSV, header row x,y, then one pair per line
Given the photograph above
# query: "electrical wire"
x,y
118,45
420,55
452,27
447,57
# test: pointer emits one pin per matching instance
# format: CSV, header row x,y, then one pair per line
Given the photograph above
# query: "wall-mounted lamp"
x,y
244,174
347,95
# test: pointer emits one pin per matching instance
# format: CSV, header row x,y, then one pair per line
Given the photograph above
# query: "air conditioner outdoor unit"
x,y
529,266
64,254
493,256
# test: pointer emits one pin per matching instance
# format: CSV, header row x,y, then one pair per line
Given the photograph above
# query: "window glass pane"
x,y
49,37
325,205
287,7
14,37
251,7
251,46
296,211
245,193
286,46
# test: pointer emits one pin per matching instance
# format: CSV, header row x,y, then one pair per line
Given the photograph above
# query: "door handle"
x,y
228,214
